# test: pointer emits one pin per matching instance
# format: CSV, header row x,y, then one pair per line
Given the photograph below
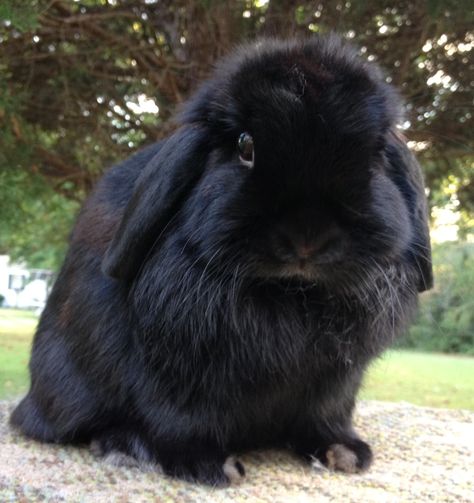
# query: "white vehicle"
x,y
21,287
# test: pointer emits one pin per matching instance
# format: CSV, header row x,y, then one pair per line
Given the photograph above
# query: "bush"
x,y
445,321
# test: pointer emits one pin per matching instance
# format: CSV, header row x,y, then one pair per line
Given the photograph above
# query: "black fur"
x,y
205,308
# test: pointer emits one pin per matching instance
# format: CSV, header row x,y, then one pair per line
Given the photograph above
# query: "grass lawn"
x,y
431,379
421,378
16,330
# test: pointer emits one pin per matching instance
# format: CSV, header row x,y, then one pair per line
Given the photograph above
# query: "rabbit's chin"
x,y
343,276
303,272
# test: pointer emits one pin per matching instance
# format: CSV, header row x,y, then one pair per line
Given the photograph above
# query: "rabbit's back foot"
x,y
122,460
28,418
122,448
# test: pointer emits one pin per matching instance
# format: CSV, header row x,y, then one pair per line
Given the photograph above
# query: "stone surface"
x,y
421,454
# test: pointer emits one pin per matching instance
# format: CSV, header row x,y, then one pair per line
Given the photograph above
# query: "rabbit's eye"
x,y
245,146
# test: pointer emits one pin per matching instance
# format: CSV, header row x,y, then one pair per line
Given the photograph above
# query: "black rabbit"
x,y
225,289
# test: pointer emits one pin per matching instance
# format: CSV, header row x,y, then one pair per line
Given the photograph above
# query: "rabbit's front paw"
x,y
215,472
351,457
234,470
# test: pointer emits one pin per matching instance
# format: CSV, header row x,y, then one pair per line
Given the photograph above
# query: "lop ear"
x,y
159,192
406,173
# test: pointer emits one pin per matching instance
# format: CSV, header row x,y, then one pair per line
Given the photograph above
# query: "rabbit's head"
x,y
286,165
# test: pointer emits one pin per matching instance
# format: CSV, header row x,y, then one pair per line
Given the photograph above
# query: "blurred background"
x,y
85,83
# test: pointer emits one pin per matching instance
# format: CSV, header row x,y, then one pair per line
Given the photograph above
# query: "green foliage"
x,y
35,220
446,318
22,15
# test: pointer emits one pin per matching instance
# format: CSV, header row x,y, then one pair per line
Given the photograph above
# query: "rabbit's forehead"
x,y
299,98
281,88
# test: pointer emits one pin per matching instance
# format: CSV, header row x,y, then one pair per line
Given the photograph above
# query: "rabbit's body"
x,y
214,335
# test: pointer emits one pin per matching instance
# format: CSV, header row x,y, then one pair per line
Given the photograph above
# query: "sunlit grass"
x,y
432,379
16,330
422,378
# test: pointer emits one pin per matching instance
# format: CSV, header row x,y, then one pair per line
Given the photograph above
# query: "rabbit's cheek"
x,y
97,227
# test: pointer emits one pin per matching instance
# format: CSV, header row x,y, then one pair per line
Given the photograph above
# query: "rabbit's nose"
x,y
291,243
325,242
306,250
